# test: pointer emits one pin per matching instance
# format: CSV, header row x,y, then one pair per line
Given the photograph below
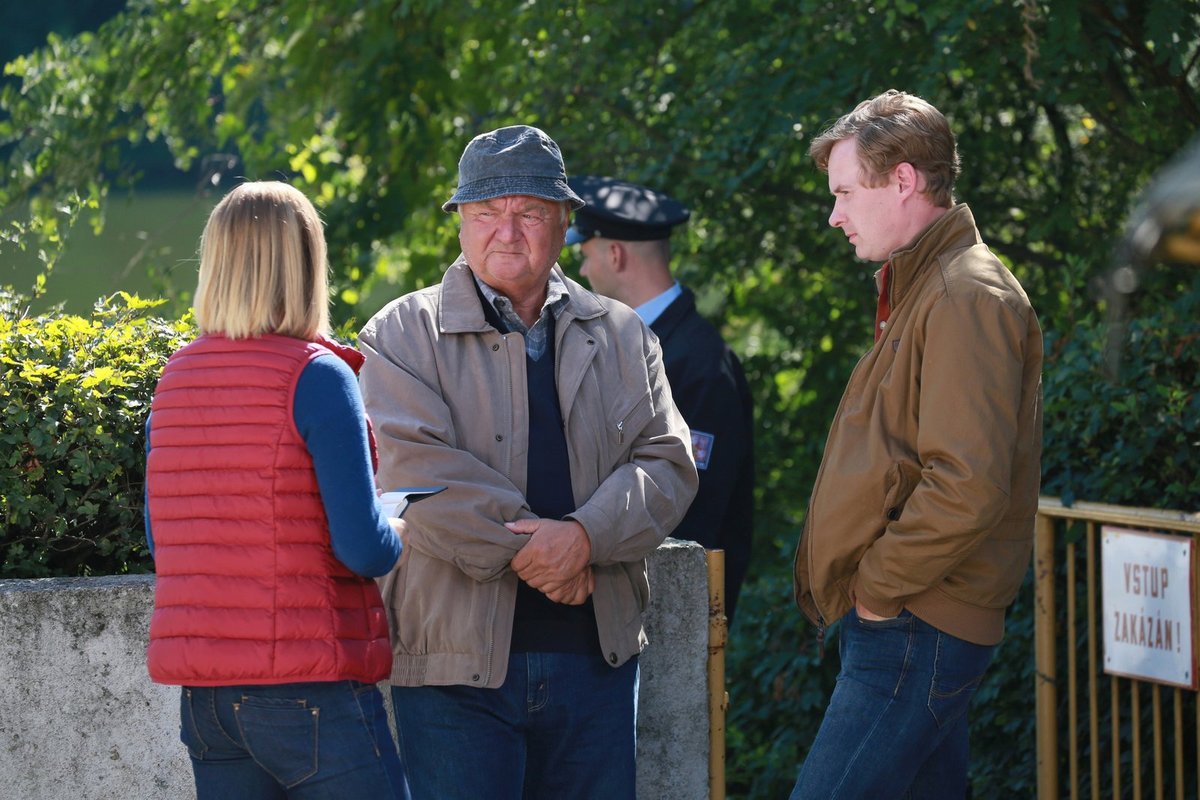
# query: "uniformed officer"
x,y
624,236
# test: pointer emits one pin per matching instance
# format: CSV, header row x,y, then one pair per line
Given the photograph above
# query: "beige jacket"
x,y
446,393
928,488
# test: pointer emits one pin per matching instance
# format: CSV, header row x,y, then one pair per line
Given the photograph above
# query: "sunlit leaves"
x,y
74,392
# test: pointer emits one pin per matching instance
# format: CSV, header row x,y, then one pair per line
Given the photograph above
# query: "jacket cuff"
x,y
589,522
876,605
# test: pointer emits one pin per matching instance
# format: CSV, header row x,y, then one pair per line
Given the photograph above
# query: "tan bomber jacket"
x,y
446,393
927,491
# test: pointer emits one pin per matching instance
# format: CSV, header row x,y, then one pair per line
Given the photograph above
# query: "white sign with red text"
x,y
1149,613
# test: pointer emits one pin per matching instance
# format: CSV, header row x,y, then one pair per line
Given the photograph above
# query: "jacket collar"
x,y
954,230
674,314
462,312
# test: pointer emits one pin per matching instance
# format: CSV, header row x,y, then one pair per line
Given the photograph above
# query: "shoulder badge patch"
x,y
702,446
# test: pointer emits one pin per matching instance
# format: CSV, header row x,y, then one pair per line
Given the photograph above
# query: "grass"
x,y
147,246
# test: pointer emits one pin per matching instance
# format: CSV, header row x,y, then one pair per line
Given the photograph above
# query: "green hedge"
x,y
1129,436
74,397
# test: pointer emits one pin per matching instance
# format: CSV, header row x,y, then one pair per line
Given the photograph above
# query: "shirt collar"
x,y
557,295
652,309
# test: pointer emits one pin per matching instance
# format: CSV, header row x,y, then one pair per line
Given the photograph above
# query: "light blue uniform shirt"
x,y
653,309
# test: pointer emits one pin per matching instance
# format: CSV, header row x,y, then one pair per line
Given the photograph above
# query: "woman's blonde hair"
x,y
263,265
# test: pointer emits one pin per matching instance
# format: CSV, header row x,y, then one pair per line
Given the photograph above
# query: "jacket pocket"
x,y
901,480
627,423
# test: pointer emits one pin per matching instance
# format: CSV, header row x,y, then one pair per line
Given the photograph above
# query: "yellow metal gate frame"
x,y
1052,515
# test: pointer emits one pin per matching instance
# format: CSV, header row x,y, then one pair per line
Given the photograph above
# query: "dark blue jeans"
x,y
896,726
304,741
561,726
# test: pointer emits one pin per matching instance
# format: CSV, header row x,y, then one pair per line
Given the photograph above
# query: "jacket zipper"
x,y
621,432
820,614
808,539
509,364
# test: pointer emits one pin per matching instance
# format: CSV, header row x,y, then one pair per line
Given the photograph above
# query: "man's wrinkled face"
x,y
871,216
512,242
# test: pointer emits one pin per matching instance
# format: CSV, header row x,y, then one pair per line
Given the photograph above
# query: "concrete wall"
x,y
80,719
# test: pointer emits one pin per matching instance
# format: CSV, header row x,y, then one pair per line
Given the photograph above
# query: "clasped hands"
x,y
555,559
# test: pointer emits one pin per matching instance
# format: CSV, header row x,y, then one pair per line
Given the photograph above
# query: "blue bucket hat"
x,y
519,159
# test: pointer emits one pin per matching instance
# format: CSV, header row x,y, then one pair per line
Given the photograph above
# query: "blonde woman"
x,y
262,516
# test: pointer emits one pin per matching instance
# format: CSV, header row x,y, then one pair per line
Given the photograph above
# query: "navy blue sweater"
x,y
539,624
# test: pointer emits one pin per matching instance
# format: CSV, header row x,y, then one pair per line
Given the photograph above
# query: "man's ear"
x,y
908,180
618,256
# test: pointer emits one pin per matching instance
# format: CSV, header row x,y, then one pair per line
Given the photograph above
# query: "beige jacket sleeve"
x,y
638,504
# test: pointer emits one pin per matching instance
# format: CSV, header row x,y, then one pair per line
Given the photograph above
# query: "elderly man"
x,y
545,411
920,524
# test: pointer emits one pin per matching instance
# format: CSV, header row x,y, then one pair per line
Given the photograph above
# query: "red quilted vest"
x,y
248,590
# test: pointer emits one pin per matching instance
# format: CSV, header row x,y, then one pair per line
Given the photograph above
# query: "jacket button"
x,y
893,514
495,347
612,657
475,677
499,438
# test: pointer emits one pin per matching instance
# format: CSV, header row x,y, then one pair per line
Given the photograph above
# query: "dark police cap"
x,y
621,210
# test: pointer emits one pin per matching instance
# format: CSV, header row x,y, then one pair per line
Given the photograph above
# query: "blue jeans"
x,y
896,726
561,726
294,740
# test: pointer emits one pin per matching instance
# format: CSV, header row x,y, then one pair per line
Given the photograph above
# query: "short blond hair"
x,y
263,265
892,128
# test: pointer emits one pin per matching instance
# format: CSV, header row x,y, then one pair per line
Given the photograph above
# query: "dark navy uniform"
x,y
707,380
711,392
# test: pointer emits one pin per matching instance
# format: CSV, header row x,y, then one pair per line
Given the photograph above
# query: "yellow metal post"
x,y
1047,695
1093,665
718,699
1135,730
1115,705
1178,744
1072,689
1156,726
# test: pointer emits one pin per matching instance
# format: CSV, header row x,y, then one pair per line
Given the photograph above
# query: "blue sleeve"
x,y
146,494
329,414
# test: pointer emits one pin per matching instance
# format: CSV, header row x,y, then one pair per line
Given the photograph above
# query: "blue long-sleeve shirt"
x,y
329,415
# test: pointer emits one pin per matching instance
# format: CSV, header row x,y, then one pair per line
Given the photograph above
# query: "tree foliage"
x,y
1063,111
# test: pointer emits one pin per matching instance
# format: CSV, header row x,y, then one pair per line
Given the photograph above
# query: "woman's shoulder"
x,y
325,368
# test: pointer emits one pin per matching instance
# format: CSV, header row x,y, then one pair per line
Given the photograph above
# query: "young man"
x,y
920,524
